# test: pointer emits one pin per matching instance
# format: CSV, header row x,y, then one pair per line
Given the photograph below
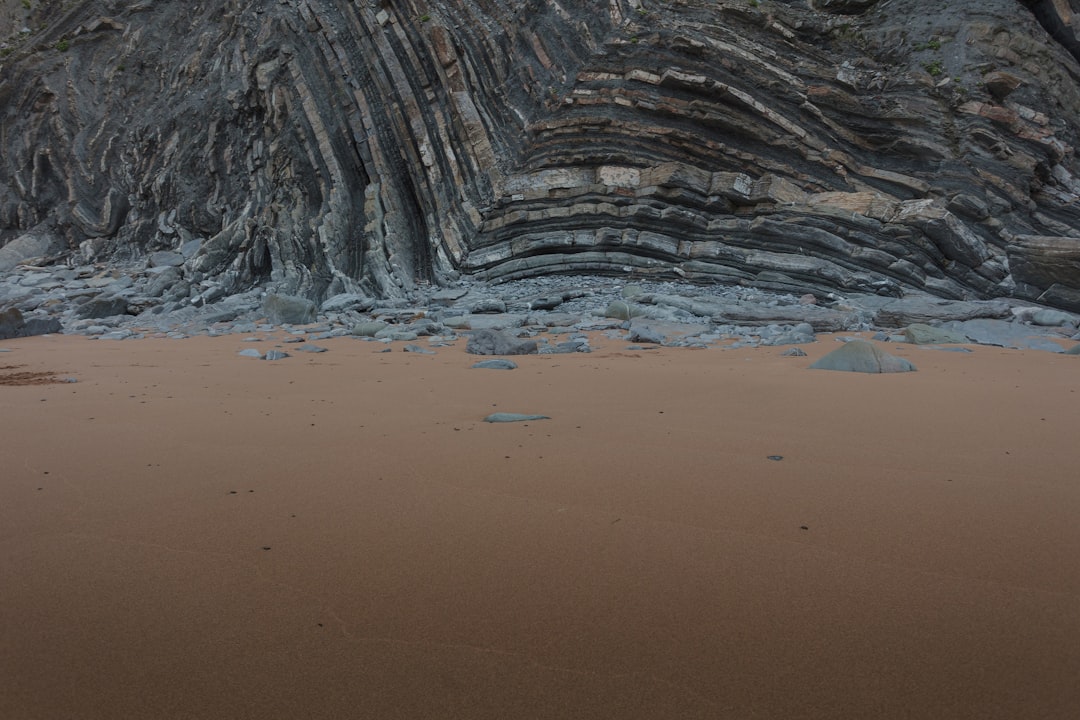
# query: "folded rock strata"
x,y
328,146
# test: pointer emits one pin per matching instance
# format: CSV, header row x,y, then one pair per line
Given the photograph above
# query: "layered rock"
x,y
326,147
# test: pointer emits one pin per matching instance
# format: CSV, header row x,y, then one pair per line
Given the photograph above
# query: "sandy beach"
x,y
185,533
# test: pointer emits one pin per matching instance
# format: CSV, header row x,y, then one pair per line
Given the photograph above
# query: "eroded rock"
x,y
863,357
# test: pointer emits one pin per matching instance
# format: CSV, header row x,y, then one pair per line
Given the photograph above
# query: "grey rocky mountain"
x,y
316,148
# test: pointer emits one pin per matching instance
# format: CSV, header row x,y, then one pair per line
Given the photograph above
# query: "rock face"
x,y
321,147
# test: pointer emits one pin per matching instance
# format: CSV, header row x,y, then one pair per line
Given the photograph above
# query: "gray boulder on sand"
x,y
11,321
864,357
288,310
368,329
493,342
645,333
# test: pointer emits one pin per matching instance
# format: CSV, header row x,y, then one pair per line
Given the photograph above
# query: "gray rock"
x,y
395,333
288,309
491,306
32,244
553,319
189,248
1007,334
11,321
165,258
275,355
500,364
798,335
368,329
425,327
907,311
644,333
864,357
573,346
548,302
496,321
621,310
793,352
40,326
348,301
417,349
102,307
504,417
920,334
162,281
494,342
1044,269
308,348
448,296
1053,318
251,353
456,322
1074,350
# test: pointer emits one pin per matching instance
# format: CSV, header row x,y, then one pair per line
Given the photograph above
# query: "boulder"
x,y
621,310
368,329
40,326
33,244
489,306
864,357
1053,318
645,333
11,321
920,334
288,309
103,306
494,342
162,281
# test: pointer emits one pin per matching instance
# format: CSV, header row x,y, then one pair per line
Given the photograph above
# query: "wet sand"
x,y
185,533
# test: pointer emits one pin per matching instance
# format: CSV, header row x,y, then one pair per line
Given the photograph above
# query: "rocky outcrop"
x,y
322,147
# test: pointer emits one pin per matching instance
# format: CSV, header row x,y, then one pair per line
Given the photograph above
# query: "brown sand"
x,y
185,533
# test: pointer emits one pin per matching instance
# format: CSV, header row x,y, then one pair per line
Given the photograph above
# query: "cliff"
x,y
328,146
